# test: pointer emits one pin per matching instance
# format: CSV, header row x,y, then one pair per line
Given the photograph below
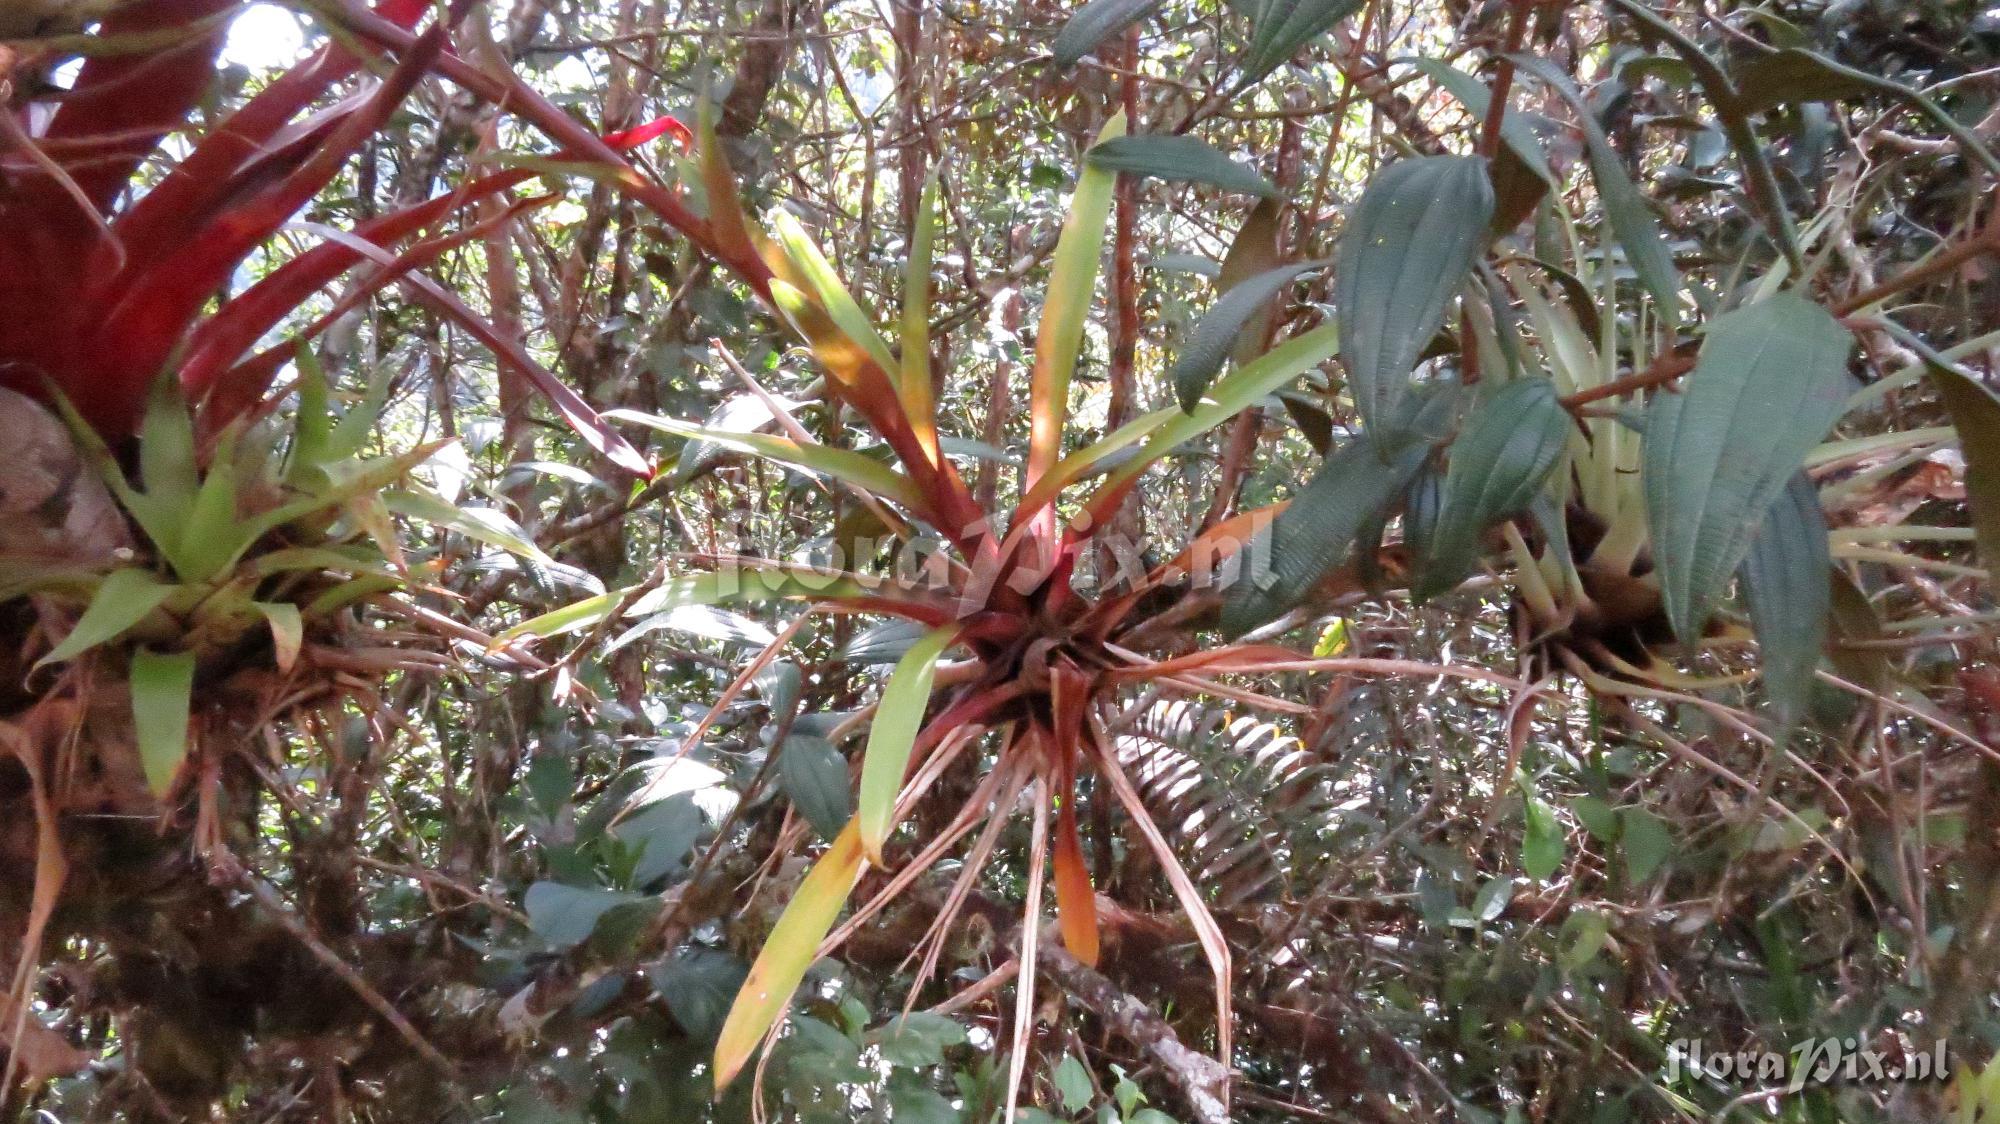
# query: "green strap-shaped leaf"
x,y
1771,381
569,618
1072,277
918,396
480,524
893,735
1515,439
565,915
123,599
1216,334
1182,159
1166,430
1975,413
1624,205
1093,24
790,949
1279,567
1785,580
847,313
1408,247
864,472
167,466
162,685
1278,28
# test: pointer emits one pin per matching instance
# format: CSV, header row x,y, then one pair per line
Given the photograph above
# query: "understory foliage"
x,y
1124,561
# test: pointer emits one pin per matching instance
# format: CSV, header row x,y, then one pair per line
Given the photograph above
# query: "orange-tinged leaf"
x,y
824,283
790,949
892,736
726,223
1076,902
919,401
1072,278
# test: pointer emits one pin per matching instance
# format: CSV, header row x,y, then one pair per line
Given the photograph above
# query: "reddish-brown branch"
x,y
1660,372
1503,77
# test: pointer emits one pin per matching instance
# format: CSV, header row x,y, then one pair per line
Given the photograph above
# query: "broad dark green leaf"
x,y
1095,22
1182,159
1514,440
664,833
1791,76
814,776
1408,247
1785,580
698,984
1975,413
1771,381
883,643
1625,207
1279,567
1314,423
162,687
1279,28
1215,335
565,915
917,1039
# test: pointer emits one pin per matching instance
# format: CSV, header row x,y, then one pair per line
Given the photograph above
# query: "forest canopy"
x,y
999,560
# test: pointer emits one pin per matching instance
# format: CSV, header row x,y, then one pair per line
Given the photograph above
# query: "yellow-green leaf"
x,y
919,403
162,684
1072,278
866,473
847,313
122,600
787,953
893,734
1231,395
288,631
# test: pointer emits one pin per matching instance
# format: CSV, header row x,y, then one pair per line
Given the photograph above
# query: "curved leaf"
x,y
893,734
790,949
1516,438
1072,277
1221,327
846,465
1278,28
1182,159
1771,381
1409,245
1785,580
1094,23
1286,558
1625,207
122,600
846,312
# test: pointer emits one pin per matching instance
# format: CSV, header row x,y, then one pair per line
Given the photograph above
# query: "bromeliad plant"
x,y
121,282
1043,659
